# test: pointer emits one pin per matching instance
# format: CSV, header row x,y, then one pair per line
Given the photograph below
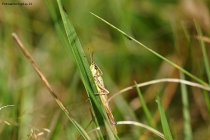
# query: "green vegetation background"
x,y
166,27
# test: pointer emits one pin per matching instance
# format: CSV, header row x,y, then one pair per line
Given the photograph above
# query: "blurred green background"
x,y
166,27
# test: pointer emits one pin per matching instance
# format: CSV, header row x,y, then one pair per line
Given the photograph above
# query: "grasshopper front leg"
x,y
100,85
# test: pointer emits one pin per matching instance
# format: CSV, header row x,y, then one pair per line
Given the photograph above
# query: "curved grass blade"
x,y
155,53
85,73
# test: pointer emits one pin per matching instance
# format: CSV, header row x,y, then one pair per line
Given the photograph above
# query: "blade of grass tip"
x,y
158,55
46,83
206,62
84,70
164,122
144,106
185,109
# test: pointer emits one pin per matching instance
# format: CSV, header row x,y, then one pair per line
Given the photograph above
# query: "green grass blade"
x,y
203,47
84,72
144,106
185,108
206,62
158,55
164,122
63,39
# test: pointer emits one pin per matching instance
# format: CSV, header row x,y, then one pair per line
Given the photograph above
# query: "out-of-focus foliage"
x,y
166,27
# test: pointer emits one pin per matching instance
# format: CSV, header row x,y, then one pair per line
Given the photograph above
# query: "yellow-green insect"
x,y
102,91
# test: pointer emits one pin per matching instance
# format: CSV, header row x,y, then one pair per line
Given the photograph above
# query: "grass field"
x,y
154,56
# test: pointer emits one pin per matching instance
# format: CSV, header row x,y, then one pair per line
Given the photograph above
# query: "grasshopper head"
x,y
93,66
94,69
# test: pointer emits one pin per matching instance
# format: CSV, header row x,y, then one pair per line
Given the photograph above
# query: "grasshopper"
x,y
102,91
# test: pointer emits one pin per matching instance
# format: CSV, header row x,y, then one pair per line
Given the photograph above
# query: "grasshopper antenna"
x,y
91,57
